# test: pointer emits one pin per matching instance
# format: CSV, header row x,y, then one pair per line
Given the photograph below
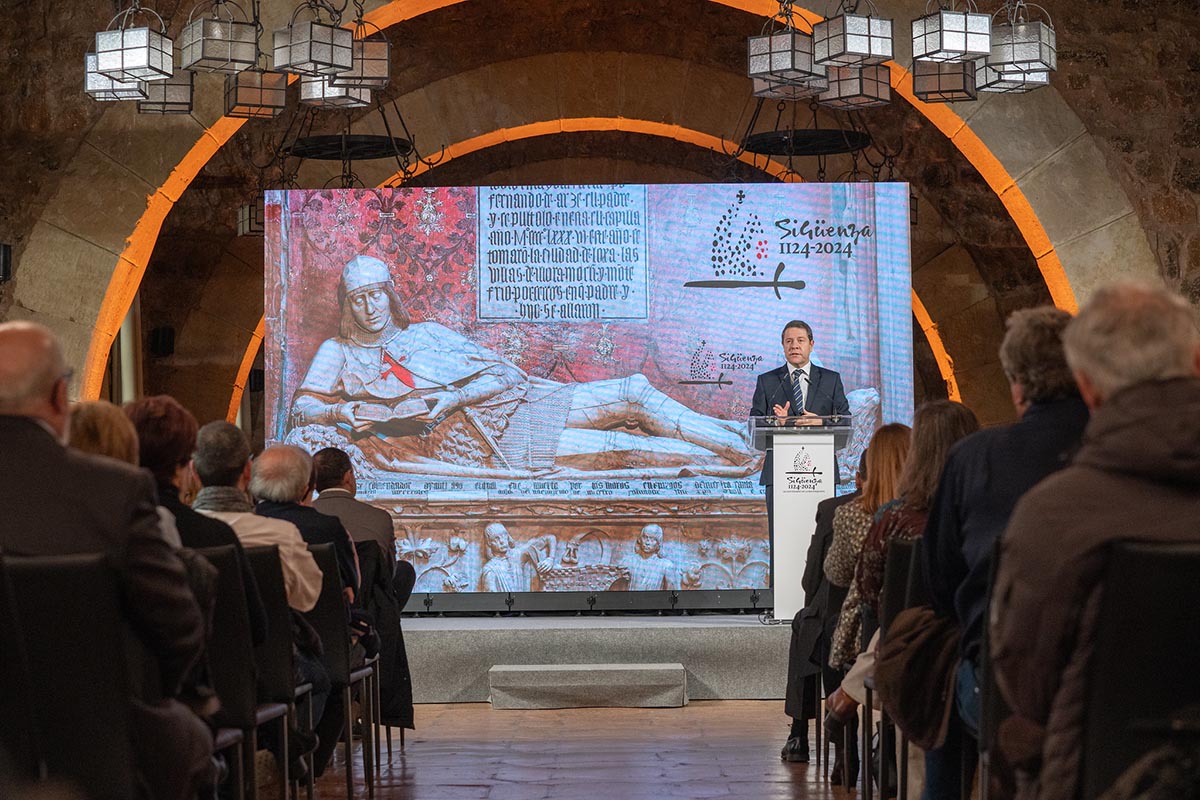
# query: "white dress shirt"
x,y
804,383
301,575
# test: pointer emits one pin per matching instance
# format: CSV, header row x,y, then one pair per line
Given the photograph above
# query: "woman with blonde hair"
x,y
885,462
102,429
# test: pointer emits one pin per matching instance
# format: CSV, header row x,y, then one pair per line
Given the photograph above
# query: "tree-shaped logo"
x,y
738,243
701,366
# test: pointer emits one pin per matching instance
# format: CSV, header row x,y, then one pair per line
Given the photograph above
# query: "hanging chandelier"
x,y
958,52
339,67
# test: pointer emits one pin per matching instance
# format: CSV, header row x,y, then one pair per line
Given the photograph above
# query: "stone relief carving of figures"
x,y
649,569
511,566
436,563
419,397
493,560
729,563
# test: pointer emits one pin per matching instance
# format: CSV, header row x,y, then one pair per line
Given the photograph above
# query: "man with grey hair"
x,y
1135,352
282,482
222,463
55,501
985,474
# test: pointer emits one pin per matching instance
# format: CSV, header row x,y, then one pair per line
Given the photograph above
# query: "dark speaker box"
x,y
162,341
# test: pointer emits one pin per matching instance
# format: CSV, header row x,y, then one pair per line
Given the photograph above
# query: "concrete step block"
x,y
588,685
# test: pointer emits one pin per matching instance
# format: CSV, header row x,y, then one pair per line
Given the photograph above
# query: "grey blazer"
x,y
363,521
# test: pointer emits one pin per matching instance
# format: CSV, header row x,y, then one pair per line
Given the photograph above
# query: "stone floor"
x,y
714,749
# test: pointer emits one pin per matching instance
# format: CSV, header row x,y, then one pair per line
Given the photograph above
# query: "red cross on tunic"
x,y
393,367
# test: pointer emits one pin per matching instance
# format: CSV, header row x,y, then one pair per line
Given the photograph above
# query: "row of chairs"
x,y
70,663
1141,681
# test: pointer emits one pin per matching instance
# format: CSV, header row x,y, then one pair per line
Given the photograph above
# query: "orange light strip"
x,y
575,124
243,375
131,264
934,337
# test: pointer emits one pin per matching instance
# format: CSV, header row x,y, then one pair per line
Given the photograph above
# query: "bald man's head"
x,y
32,374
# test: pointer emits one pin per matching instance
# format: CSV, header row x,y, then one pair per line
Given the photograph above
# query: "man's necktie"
x,y
797,392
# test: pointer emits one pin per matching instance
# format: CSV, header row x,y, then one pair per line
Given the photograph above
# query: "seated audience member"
x,y
885,458
1135,353
222,463
937,425
337,488
365,523
166,437
56,501
886,454
812,631
100,428
985,475
282,481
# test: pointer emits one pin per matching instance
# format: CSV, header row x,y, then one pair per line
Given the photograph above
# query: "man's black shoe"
x,y
795,751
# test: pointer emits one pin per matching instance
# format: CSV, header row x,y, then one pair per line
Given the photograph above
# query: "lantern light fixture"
x,y
105,89
989,79
255,94
371,61
251,218
773,90
126,53
944,81
857,87
850,39
223,41
313,47
783,53
172,96
1021,44
951,34
319,91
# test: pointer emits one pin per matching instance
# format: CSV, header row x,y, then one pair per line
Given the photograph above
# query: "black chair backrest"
x,y
992,708
918,590
330,617
1143,670
274,657
79,646
19,736
231,647
897,564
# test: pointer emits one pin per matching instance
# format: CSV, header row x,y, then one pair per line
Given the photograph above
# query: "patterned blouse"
x,y
851,523
895,520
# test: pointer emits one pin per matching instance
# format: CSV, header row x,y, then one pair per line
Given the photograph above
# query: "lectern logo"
x,y
804,477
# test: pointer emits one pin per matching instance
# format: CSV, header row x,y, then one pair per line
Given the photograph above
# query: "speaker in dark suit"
x,y
774,395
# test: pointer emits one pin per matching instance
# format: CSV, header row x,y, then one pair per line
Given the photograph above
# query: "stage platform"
x,y
726,657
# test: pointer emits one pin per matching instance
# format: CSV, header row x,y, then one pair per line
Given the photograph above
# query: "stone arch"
x,y
1047,181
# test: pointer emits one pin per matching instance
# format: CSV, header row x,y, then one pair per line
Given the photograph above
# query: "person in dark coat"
x,y
166,438
985,475
812,632
1135,352
281,480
